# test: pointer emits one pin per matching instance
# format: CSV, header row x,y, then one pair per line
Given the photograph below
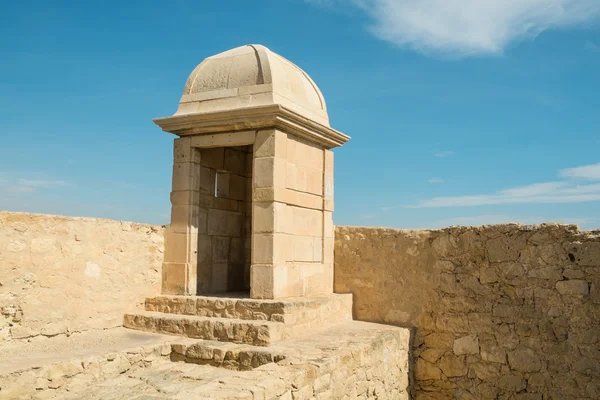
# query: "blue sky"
x,y
460,112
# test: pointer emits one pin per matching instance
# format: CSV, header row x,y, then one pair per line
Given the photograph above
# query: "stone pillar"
x,y
328,228
292,235
269,242
179,271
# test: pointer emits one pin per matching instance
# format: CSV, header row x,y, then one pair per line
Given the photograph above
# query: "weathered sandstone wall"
x,y
63,274
503,311
506,311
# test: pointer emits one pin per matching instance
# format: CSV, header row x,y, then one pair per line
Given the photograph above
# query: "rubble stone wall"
x,y
505,311
64,274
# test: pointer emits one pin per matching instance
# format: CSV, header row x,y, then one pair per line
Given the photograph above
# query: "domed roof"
x,y
250,76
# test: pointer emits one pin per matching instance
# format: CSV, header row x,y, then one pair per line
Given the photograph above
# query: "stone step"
x,y
258,333
234,356
218,307
293,311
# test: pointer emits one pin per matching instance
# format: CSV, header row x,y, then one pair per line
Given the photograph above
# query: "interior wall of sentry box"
x,y
224,220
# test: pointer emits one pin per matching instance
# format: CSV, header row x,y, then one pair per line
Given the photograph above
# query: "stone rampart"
x,y
64,274
505,311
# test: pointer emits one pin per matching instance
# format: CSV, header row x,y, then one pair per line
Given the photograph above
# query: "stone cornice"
x,y
262,117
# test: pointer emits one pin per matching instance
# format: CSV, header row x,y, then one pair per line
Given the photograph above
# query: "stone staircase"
x,y
238,319
241,357
228,354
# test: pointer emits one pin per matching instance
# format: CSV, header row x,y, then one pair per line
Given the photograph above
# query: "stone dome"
x,y
251,76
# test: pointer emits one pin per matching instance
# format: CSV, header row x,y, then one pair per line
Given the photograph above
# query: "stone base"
x,y
52,367
258,333
240,320
352,360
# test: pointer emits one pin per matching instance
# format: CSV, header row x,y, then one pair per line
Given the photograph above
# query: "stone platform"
x,y
350,360
238,319
43,366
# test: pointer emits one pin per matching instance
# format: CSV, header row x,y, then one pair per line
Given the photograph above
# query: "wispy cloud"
x,y
467,27
591,172
23,185
20,189
570,190
443,154
547,101
591,46
435,180
40,183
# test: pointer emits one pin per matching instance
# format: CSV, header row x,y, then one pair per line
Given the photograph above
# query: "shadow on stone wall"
x,y
505,311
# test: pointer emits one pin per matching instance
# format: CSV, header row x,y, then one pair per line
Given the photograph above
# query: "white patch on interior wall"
x,y
217,184
92,270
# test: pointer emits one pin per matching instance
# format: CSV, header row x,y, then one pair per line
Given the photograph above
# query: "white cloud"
x,y
591,172
22,185
435,180
443,154
591,46
571,190
468,27
535,189
20,189
40,183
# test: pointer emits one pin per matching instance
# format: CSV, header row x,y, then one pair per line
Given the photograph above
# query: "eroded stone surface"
x,y
441,281
259,333
503,311
291,311
60,275
354,359
241,320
